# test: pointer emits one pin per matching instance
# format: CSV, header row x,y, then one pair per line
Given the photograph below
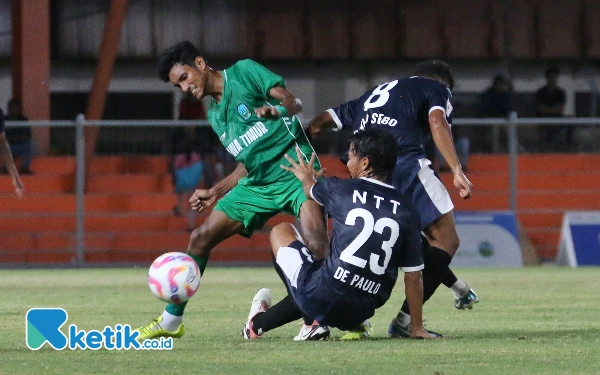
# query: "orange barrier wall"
x,y
130,199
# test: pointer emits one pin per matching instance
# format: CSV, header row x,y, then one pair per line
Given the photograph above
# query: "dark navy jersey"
x,y
1,121
402,107
375,232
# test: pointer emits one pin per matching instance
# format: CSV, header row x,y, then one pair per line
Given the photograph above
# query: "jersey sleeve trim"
x,y
313,196
437,107
412,269
336,119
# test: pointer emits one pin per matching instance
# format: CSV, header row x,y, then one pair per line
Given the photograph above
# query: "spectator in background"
x,y
204,138
19,138
550,102
7,159
190,108
495,102
187,171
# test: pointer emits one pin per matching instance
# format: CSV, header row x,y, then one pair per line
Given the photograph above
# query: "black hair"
x,y
14,101
187,148
500,79
435,69
553,69
182,53
380,147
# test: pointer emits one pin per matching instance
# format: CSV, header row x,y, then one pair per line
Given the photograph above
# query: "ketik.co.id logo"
x,y
42,325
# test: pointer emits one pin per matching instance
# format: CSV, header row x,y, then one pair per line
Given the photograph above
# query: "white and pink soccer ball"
x,y
174,277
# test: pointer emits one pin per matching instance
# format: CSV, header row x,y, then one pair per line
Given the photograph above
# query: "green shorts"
x,y
254,205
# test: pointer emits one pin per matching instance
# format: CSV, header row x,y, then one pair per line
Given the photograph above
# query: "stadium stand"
x,y
129,201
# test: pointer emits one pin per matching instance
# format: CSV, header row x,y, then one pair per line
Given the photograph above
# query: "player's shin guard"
x,y
282,313
436,263
178,309
449,278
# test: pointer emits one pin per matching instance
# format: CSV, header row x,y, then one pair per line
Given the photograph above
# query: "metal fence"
x,y
156,138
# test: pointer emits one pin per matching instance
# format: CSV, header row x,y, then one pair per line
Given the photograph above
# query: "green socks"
x,y
177,309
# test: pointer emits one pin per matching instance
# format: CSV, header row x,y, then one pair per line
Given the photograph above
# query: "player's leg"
x,y
281,236
449,278
286,310
443,244
423,187
285,238
313,223
464,296
436,260
314,230
442,234
433,202
216,228
241,211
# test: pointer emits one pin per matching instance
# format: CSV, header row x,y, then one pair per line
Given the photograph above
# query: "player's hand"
x,y
300,170
267,112
462,183
203,198
19,188
422,334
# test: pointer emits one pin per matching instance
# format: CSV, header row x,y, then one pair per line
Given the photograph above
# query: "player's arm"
x,y
268,84
413,288
442,137
290,105
8,161
204,198
411,263
304,172
323,121
337,118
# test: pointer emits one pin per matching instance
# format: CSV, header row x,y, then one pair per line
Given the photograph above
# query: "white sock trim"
x,y
403,318
170,322
459,289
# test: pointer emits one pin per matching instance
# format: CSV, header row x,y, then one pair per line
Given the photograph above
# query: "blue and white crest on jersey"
x,y
449,108
244,111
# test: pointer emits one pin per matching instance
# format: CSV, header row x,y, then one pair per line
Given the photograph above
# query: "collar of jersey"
x,y
376,182
218,104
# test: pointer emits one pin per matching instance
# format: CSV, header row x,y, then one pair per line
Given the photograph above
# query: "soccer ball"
x,y
174,277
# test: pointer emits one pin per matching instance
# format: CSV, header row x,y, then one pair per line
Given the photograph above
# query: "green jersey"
x,y
259,143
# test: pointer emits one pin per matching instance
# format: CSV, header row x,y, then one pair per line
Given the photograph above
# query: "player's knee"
x,y
283,228
282,235
198,241
452,243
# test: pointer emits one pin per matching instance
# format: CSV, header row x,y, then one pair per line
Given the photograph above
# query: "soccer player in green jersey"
x,y
254,116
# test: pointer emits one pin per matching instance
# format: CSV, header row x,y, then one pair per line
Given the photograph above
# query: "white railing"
x,y
511,124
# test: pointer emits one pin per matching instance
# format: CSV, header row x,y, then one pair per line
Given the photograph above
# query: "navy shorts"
x,y
423,187
311,286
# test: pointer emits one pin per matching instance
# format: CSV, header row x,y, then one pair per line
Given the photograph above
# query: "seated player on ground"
x,y
375,232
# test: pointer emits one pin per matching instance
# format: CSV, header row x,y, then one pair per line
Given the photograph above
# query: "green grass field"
x,y
529,321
